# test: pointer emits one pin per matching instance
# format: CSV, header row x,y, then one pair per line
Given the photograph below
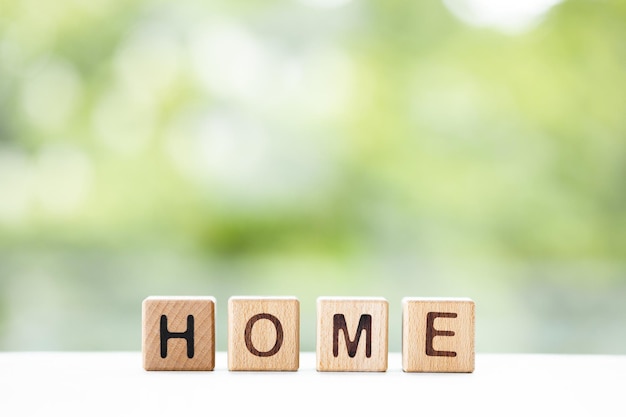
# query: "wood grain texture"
x,y
169,325
352,334
263,334
438,335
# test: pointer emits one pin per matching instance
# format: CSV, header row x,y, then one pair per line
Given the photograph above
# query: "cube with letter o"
x,y
263,334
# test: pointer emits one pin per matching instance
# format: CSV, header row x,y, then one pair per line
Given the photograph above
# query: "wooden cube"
x,y
437,335
178,333
263,334
352,334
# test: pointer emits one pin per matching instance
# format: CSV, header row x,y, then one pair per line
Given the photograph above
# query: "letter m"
x,y
365,323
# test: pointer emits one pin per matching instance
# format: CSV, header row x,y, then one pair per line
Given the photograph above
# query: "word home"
x,y
264,332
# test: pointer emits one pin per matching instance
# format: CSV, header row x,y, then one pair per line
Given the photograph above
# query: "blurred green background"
x,y
391,148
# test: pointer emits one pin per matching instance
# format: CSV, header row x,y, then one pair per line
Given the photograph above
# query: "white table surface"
x,y
115,384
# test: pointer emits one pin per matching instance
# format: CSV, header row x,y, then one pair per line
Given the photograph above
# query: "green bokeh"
x,y
380,148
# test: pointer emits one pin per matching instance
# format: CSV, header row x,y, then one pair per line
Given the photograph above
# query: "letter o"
x,y
279,335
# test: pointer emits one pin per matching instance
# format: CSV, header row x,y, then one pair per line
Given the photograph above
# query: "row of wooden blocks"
x,y
264,334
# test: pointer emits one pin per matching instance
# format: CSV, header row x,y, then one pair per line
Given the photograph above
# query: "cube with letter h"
x,y
437,335
178,333
352,334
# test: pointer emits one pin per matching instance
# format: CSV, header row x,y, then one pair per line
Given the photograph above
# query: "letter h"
x,y
187,335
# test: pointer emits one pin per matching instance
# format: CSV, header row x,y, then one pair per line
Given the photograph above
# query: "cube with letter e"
x,y
437,335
